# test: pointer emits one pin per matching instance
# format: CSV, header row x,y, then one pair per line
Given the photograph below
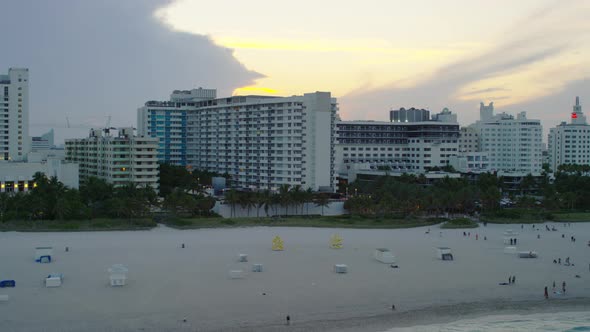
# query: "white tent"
x,y
384,255
527,254
340,268
510,232
444,253
510,250
236,274
53,280
118,275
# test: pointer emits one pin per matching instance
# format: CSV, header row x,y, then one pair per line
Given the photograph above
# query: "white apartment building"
x,y
412,147
569,143
119,159
468,139
14,115
262,142
514,145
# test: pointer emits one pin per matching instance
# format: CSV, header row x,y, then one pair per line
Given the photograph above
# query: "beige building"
x,y
118,159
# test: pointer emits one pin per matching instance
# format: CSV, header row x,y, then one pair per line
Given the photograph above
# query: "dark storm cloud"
x,y
90,59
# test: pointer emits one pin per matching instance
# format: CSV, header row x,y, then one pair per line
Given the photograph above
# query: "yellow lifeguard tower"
x,y
277,244
335,242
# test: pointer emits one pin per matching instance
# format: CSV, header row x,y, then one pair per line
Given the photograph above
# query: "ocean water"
x,y
561,321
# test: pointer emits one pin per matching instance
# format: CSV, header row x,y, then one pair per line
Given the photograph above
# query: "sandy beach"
x,y
168,284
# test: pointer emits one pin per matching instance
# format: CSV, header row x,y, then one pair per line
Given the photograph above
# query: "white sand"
x,y
167,283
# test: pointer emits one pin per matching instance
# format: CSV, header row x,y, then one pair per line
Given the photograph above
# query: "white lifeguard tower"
x,y
384,255
118,275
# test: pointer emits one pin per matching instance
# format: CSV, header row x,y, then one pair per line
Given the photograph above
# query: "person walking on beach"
x,y
546,293
563,287
513,279
288,320
553,286
559,261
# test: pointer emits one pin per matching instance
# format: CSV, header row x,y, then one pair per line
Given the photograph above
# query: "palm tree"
x,y
307,198
246,200
232,198
285,197
297,197
322,200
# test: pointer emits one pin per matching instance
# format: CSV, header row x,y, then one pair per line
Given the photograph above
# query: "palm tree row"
x,y
286,201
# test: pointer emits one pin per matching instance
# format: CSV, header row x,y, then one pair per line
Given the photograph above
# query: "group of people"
x,y
511,280
567,261
554,290
512,241
468,234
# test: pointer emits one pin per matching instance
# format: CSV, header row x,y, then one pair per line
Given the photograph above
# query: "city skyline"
x,y
146,50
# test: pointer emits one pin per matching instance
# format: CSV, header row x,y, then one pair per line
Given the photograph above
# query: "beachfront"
x,y
168,284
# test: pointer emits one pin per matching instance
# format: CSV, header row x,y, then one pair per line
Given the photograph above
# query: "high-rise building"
x,y
569,143
469,139
409,115
261,142
514,145
14,115
412,147
119,159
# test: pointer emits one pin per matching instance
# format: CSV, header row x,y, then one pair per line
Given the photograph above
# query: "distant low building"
x,y
471,162
118,159
43,142
18,176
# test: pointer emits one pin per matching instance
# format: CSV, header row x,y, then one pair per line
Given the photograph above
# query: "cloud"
x,y
91,59
530,59
480,91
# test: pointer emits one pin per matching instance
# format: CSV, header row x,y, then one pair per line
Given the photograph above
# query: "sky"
x,y
91,60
